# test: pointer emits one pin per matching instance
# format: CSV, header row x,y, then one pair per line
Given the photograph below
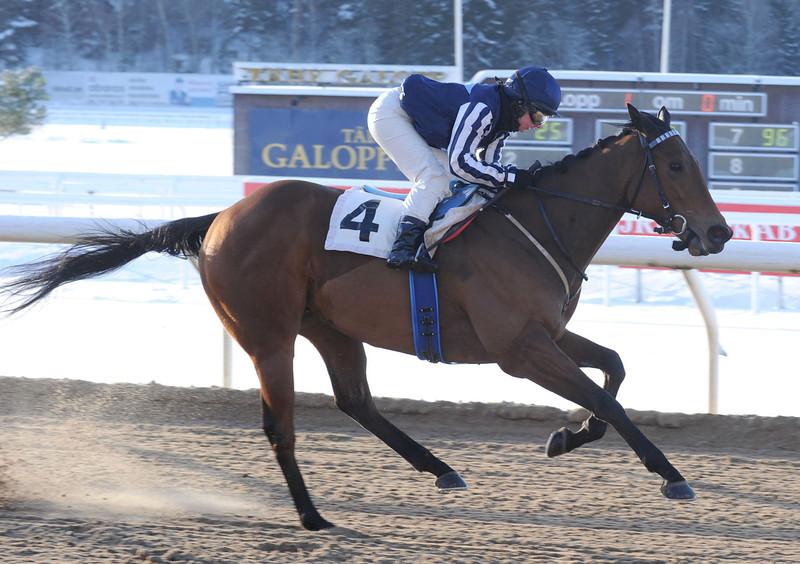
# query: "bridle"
x,y
665,225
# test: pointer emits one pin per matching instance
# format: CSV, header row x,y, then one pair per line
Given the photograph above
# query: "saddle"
x,y
452,214
364,219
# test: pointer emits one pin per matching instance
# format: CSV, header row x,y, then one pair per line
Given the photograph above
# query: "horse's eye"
x,y
676,166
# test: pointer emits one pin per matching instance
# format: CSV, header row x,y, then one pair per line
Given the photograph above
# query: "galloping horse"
x,y
502,300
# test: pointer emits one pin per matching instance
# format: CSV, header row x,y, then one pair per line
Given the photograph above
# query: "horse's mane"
x,y
563,165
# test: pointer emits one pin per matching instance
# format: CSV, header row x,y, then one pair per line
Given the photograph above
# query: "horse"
x,y
507,289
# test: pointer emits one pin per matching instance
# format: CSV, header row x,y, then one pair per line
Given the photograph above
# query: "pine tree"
x,y
708,36
21,95
17,29
784,17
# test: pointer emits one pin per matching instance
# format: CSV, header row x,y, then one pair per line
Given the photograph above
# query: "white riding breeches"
x,y
422,164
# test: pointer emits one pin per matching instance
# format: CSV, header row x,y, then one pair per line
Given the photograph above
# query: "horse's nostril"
x,y
719,233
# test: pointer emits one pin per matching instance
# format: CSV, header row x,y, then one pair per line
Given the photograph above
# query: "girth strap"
x,y
425,316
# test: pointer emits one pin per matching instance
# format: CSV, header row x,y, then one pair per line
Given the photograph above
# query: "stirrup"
x,y
404,262
423,262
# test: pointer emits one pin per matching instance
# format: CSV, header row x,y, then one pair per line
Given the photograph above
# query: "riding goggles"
x,y
538,117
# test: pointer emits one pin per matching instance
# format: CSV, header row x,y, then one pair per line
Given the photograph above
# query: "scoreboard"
x,y
552,142
754,136
743,129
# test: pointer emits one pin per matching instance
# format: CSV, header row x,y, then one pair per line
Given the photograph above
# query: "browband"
x,y
664,137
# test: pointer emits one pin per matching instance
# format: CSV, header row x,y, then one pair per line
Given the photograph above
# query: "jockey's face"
x,y
526,123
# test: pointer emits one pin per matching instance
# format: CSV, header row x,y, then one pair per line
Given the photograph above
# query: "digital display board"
x,y
695,102
555,131
525,156
766,186
744,130
754,136
752,166
604,128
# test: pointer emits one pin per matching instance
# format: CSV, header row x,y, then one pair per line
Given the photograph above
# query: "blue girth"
x,y
425,316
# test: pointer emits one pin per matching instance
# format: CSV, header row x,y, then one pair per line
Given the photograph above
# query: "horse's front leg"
x,y
587,354
535,356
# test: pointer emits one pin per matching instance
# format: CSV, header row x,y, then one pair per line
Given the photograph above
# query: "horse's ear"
x,y
636,118
664,116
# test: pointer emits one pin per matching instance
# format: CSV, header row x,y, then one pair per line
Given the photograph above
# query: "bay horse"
x,y
502,301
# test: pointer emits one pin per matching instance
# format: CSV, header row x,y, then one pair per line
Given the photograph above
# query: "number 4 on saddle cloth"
x,y
364,220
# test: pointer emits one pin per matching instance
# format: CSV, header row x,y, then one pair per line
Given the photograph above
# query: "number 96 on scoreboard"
x,y
754,136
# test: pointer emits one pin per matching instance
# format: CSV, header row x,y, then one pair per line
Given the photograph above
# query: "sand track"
x,y
126,473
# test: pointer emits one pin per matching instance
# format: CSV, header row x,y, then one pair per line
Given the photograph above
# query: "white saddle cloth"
x,y
366,223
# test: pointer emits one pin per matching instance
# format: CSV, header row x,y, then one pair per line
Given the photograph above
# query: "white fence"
x,y
91,194
738,256
618,250
29,197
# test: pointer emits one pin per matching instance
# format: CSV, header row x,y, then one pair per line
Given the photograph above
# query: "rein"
x,y
649,165
665,224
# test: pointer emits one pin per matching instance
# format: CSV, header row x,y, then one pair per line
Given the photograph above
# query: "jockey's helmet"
x,y
533,88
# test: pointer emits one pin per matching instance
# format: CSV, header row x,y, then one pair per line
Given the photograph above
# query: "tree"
x,y
17,29
21,95
708,36
784,30
488,27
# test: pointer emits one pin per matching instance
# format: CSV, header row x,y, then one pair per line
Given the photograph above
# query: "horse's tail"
x,y
99,253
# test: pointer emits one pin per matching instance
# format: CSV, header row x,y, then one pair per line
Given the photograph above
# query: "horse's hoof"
x,y
678,490
450,482
557,443
315,522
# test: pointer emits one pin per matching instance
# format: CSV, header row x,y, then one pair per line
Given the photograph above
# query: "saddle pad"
x,y
366,223
363,223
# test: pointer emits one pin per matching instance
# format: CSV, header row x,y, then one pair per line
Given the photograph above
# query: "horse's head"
x,y
675,193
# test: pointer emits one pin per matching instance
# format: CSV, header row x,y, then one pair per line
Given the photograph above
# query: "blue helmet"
x,y
534,87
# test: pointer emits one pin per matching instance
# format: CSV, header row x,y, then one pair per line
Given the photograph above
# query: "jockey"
x,y
437,131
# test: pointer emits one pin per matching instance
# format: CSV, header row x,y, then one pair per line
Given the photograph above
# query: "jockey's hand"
x,y
522,179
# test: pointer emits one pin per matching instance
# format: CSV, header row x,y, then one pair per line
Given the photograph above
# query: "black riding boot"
x,y
404,251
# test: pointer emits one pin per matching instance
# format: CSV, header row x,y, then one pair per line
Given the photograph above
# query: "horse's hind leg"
x,y
346,363
277,417
270,345
587,354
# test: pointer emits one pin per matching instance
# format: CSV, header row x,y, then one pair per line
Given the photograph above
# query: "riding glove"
x,y
522,179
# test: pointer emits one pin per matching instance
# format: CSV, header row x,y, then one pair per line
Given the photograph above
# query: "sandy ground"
x,y
130,473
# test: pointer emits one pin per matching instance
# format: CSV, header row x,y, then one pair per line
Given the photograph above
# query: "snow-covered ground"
x,y
151,321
